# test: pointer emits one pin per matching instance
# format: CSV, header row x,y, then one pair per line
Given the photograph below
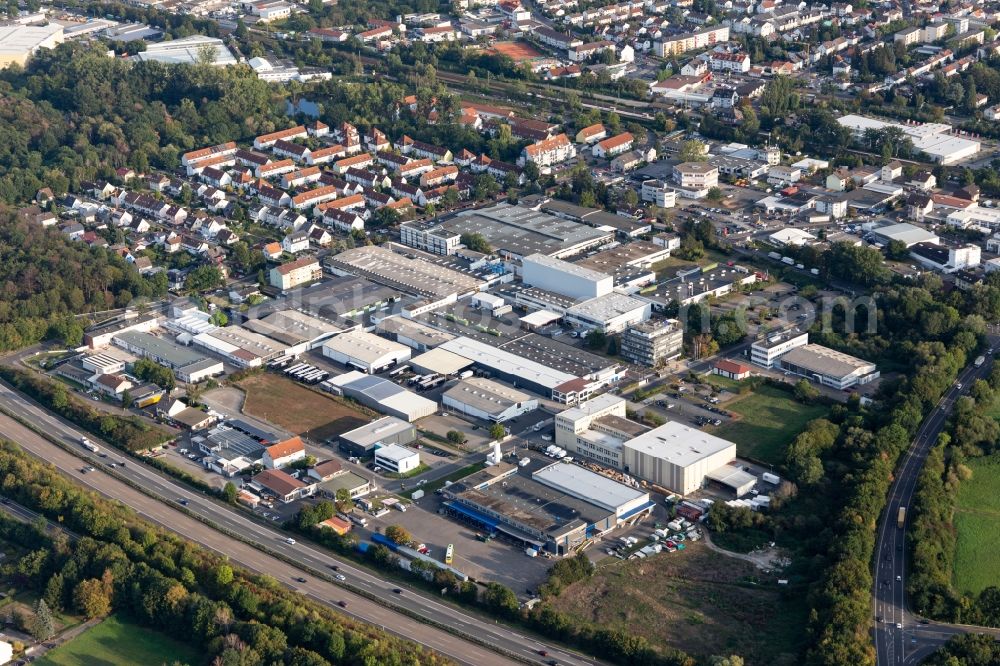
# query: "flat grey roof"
x,y
441,361
411,273
732,476
174,354
607,306
591,486
523,231
376,431
528,502
366,347
906,232
576,270
486,395
508,362
414,330
558,355
825,361
395,452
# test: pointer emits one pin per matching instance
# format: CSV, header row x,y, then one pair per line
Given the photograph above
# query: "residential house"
x,y
284,453
612,146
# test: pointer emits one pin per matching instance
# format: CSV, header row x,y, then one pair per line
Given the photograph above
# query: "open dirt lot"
x,y
696,600
298,409
517,51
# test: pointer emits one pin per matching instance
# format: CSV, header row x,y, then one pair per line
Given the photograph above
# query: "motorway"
x,y
165,510
902,637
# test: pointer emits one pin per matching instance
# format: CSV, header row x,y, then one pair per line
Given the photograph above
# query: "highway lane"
x,y
166,510
900,636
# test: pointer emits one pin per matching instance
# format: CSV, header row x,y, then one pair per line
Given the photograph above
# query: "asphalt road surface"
x,y
901,636
165,510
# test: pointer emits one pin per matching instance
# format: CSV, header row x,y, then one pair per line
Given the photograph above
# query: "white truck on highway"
x,y
980,360
87,444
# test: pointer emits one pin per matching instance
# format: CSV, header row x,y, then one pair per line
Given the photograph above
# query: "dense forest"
x,y
45,278
74,114
123,564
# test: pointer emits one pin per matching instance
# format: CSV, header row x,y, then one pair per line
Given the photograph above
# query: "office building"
x,y
766,351
653,343
397,459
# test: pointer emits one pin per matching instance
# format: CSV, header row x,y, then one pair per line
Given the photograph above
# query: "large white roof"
x,y
364,346
679,444
595,488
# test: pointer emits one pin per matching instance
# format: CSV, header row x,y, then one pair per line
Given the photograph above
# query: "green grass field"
x,y
977,522
116,642
769,420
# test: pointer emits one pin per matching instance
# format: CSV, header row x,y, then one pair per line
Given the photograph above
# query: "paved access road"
x,y
901,637
165,509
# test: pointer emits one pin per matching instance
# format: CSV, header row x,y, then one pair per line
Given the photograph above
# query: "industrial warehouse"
x,y
673,456
555,509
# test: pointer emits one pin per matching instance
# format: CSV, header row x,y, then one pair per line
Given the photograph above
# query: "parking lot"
x,y
494,560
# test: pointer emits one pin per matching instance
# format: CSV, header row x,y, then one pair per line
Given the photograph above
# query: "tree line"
x,y
847,459
123,564
971,433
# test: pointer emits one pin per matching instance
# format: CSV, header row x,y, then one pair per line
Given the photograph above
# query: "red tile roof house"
x,y
284,453
282,485
615,145
268,140
731,369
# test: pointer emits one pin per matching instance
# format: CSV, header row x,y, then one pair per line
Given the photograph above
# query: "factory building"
x,y
523,372
513,230
365,351
828,366
381,395
556,509
676,457
188,365
934,139
386,430
611,313
487,400
673,456
562,277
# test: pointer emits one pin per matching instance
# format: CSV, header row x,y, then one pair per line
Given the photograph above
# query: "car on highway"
x,y
898,578
899,625
335,567
341,577
300,579
397,590
342,603
182,501
84,470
